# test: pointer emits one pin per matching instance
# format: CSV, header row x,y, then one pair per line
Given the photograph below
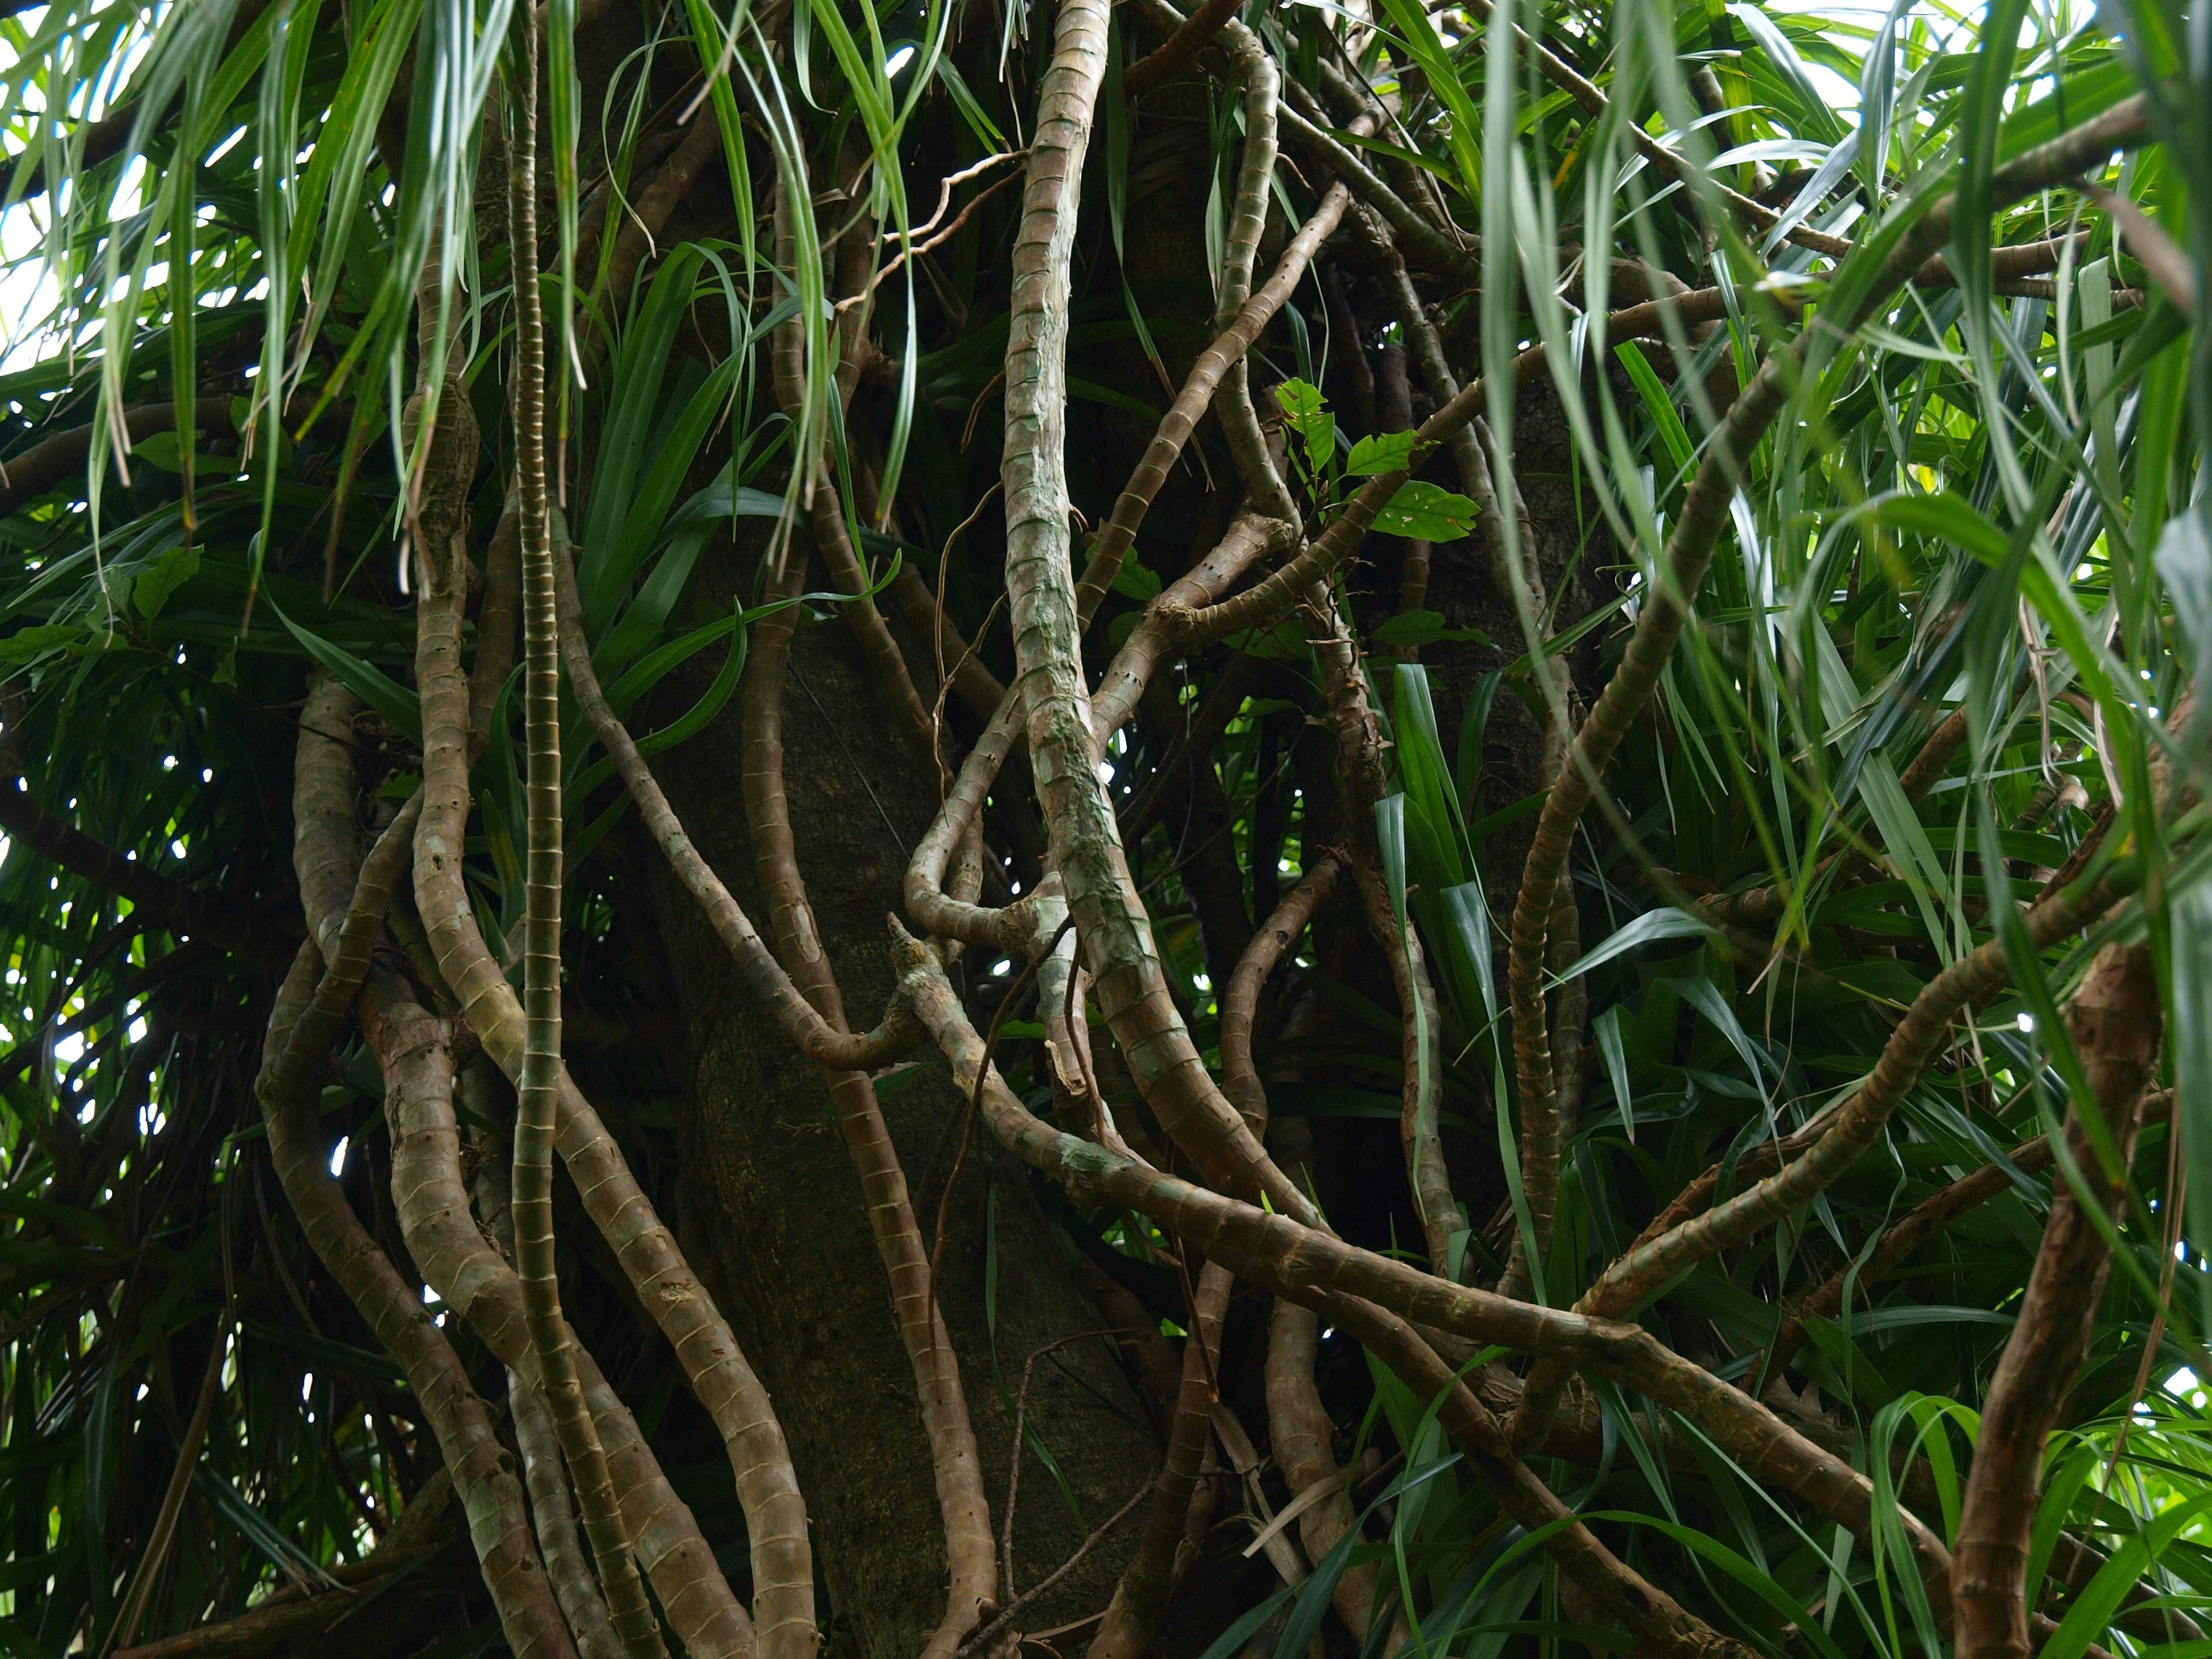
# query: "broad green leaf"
x,y
1427,511
1374,454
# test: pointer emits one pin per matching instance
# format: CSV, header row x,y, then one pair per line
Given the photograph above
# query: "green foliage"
x,y
1991,499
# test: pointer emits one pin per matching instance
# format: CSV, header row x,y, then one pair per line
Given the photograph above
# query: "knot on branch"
x,y
444,471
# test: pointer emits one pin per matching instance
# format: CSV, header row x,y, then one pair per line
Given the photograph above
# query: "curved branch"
x,y
433,1206
1364,782
52,461
1277,1253
1120,531
762,973
1141,1595
1902,1237
2116,1022
1247,220
1181,49
713,1364
1843,1136
483,1476
237,922
1086,850
1433,246
1240,1076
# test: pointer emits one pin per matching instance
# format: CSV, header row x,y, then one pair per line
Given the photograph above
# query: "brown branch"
x,y
1844,1134
758,968
1268,602
2116,1022
1436,248
1181,49
700,151
1200,827
1299,1430
1141,1595
1659,1623
484,1474
983,1640
1240,1076
274,1627
237,922
53,460
155,1555
1902,1237
498,615
1277,1253
1364,780
1205,376
713,1364
415,1057
1765,904
964,1512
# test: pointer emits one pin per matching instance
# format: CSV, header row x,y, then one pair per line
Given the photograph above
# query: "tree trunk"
x,y
772,1206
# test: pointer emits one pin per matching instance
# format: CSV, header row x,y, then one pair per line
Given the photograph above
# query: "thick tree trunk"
x,y
773,1208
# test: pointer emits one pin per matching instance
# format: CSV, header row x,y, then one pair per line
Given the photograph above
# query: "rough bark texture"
x,y
775,1210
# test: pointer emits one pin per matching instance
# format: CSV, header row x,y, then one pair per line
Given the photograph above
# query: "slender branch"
x,y
963,1510
1249,538
477,1283
713,1364
1205,376
763,975
1277,1253
1192,739
2116,1023
1141,1595
277,1625
982,1641
1902,1237
235,921
1240,1076
1364,782
1181,49
483,1475
1264,488
1267,603
1086,850
498,614
1420,237
1659,624
154,1556
1765,904
433,1204
539,1090
1659,1623
555,1517
58,459
1844,1135
1299,1429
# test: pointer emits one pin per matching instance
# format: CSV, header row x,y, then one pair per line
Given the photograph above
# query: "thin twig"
x,y
942,236
1014,1462
981,1640
975,1098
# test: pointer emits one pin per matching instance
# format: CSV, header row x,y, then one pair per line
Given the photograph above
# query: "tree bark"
x,y
773,1212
